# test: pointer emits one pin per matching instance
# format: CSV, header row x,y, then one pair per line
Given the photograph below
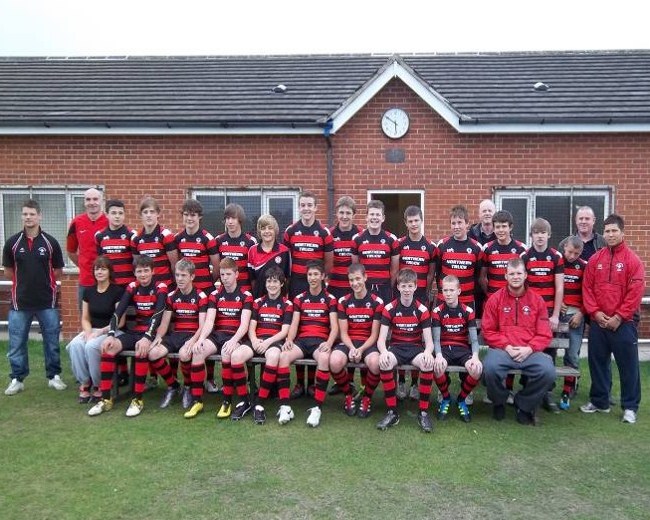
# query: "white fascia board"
x,y
554,128
155,130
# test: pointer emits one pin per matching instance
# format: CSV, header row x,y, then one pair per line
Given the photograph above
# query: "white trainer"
x,y
414,393
469,400
511,398
314,416
135,408
103,405
57,383
401,391
629,416
14,387
285,414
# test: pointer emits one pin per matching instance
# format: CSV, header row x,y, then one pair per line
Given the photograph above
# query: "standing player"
x,y
156,242
573,312
338,285
545,270
185,310
359,317
267,254
418,253
455,340
269,326
314,328
483,230
376,249
148,298
307,240
114,242
409,323
226,324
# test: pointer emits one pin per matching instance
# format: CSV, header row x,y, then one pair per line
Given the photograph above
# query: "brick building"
x,y
539,133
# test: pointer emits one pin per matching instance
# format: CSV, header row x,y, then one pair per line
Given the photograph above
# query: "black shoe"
x,y
241,409
259,415
298,391
525,418
168,397
424,421
390,419
499,412
549,404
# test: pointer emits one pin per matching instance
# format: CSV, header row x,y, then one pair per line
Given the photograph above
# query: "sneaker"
x,y
314,416
592,408
629,416
285,414
57,383
311,390
424,421
469,400
443,409
259,415
298,391
168,397
511,398
487,400
241,409
549,404
211,387
390,419
225,410
499,412
104,405
195,409
186,397
135,408
414,393
350,406
525,418
565,401
401,391
364,408
464,411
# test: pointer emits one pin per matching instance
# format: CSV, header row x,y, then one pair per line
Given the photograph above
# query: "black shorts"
x,y
456,356
405,352
174,341
129,339
308,346
219,338
357,343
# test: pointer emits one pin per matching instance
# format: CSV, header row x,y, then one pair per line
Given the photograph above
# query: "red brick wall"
x,y
452,168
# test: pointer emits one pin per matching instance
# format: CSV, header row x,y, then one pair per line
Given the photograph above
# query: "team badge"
x,y
122,236
526,310
619,266
368,305
548,258
316,233
41,251
193,300
322,300
513,250
278,259
382,241
469,250
237,298
198,240
241,243
423,248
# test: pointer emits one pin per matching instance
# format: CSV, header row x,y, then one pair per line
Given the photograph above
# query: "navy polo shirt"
x,y
33,262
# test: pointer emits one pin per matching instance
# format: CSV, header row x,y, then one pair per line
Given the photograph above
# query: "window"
x,y
58,207
557,205
281,204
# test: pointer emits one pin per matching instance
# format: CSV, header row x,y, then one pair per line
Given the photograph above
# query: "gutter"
x,y
329,156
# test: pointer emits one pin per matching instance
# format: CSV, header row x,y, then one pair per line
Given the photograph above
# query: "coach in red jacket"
x,y
612,289
516,327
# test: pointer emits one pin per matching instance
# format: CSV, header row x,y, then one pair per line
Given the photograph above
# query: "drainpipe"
x,y
330,173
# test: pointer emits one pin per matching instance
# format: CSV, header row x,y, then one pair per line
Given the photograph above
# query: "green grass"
x,y
59,463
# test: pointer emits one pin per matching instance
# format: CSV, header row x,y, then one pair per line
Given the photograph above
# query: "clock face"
x,y
395,123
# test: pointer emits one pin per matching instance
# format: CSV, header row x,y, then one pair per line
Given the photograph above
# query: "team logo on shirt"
x,y
469,250
548,258
423,248
382,241
192,300
198,240
367,305
322,300
123,236
316,233
237,298
241,243
507,310
41,251
619,266
513,250
526,310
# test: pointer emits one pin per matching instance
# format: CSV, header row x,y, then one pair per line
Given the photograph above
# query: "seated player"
x,y
359,316
148,298
454,330
314,328
409,323
267,331
226,324
573,312
185,310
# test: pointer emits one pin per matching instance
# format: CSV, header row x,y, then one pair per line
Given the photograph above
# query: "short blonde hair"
x,y
268,220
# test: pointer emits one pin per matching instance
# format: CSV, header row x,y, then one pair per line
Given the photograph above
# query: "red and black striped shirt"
x,y
314,314
375,253
271,315
307,243
229,307
462,259
198,247
406,323
542,268
115,244
237,249
419,255
338,284
495,258
156,245
149,304
454,323
360,314
186,309
573,273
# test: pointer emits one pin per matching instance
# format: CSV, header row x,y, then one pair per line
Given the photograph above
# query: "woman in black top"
x,y
97,308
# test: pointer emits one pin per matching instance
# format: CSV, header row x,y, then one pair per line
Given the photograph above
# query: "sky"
x,y
198,27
